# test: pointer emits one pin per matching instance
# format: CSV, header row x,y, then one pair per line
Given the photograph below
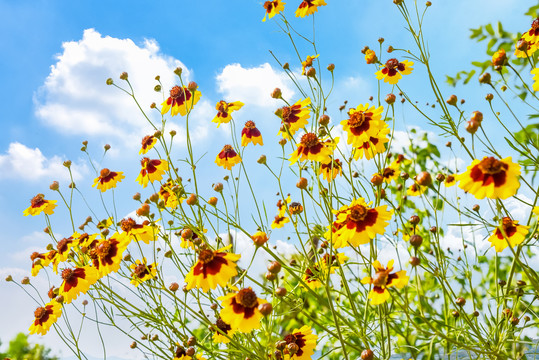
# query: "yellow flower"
x,y
393,70
250,134
490,177
331,170
416,190
181,354
228,157
212,268
147,143
181,101
240,310
45,317
139,232
525,48
314,275
364,123
142,272
450,180
509,233
374,145
535,73
309,7
370,57
391,172
311,148
308,63
294,117
77,281
222,329
106,254
305,341
152,170
172,195
281,218
357,223
223,111
499,58
108,179
532,35
273,8
38,204
382,280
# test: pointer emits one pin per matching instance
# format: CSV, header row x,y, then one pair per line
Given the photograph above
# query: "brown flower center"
x,y
144,161
180,352
380,278
103,249
228,148
147,141
450,178
358,213
268,5
392,63
309,140
388,172
40,312
286,112
250,124
223,107
490,165
127,224
104,173
140,270
176,92
247,298
290,339
535,24
67,274
507,223
34,255
206,256
62,245
356,119
37,200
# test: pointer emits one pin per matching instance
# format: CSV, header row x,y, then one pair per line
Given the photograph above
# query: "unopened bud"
x,y
143,210
414,220
485,78
280,291
415,261
390,48
123,76
331,67
377,179
293,348
424,178
178,71
25,280
67,163
54,186
286,66
110,81
192,200
190,351
452,100
218,187
522,45
489,97
472,126
323,120
390,98
302,183
212,201
157,88
192,86
416,240
311,72
276,93
274,267
265,309
460,301
174,287
367,354
262,159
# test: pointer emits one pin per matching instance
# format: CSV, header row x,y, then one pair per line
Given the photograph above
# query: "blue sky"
x,y
56,57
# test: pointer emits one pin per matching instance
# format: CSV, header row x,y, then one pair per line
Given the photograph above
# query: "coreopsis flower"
x,y
222,329
490,177
224,110
181,101
535,73
309,7
240,310
279,221
391,172
212,268
382,280
63,249
508,233
364,123
38,204
450,180
172,195
181,354
228,157
294,117
532,35
331,170
305,341
273,8
250,134
104,224
259,238
147,143
416,190
108,179
328,263
107,254
39,261
525,48
370,57
311,148
308,63
281,218
295,208
142,272
393,70
45,317
374,145
139,232
499,58
357,223
76,281
152,170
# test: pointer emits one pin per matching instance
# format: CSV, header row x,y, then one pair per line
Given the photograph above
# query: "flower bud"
x,y
485,78
440,177
460,301
212,201
286,66
274,267
522,45
424,178
143,210
218,187
416,240
370,57
123,76
276,93
265,309
25,280
259,238
390,98
477,116
323,120
302,183
280,291
404,175
515,321
415,261
293,348
110,81
367,354
157,88
331,67
190,351
178,71
262,160
174,287
153,105
377,180
428,3
390,48
455,314
192,200
192,86
9,278
270,276
54,186
282,142
133,345
67,163
311,72
472,126
136,197
452,100
414,220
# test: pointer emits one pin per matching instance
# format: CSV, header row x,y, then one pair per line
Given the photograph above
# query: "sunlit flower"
x,y
212,268
311,148
251,134
144,232
370,57
508,233
532,35
225,329
364,123
295,208
273,8
331,169
63,249
107,254
240,310
374,145
393,70
499,58
181,101
39,261
450,180
391,172
384,279
416,190
309,7
525,48
152,170
170,194
142,272
228,157
490,177
38,204
535,73
294,117
281,218
279,221
147,143
77,281
307,63
357,223
104,224
259,238
304,339
108,179
224,110
328,263
45,317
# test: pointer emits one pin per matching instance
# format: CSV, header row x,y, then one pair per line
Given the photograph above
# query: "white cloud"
x,y
24,163
75,100
254,85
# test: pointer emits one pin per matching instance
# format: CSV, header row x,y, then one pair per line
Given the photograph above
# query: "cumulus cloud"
x,y
253,85
23,163
75,100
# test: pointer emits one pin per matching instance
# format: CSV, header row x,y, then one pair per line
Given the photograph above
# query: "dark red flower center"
x,y
356,119
206,256
141,270
392,63
103,249
127,224
388,172
247,298
40,313
147,141
535,24
250,124
358,213
309,140
380,278
290,338
67,274
177,92
223,326
490,165
37,200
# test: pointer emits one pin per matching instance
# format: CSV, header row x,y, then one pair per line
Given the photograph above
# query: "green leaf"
x,y
489,29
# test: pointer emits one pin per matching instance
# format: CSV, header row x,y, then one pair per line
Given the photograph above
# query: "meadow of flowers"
x,y
344,198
